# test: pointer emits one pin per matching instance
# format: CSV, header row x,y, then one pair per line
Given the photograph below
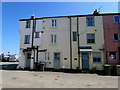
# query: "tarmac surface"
x,y
37,79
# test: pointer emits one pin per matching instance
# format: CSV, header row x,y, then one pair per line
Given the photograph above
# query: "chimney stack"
x,y
33,17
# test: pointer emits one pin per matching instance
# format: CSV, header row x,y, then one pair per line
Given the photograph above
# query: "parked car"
x,y
9,66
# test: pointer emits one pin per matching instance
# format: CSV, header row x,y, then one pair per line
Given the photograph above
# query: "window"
x,y
46,55
54,23
96,57
90,38
112,55
90,21
37,34
116,19
74,36
28,24
53,39
27,39
117,36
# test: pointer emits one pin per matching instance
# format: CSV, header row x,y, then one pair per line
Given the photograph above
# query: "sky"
x,y
13,11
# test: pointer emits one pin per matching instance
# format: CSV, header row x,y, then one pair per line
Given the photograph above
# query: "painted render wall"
x,y
24,31
62,31
62,45
99,39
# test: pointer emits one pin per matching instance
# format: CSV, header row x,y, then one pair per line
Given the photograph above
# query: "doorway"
x,y
85,61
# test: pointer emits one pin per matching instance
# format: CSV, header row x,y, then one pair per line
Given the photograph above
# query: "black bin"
x,y
42,66
107,69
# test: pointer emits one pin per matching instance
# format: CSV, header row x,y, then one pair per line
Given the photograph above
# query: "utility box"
x,y
118,69
107,69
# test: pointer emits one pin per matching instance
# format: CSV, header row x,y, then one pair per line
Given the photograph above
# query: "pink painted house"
x,y
111,25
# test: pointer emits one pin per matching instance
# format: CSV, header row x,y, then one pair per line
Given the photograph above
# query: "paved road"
x,y
28,79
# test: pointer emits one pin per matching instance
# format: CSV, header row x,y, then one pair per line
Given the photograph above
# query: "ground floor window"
x,y
46,55
112,55
96,57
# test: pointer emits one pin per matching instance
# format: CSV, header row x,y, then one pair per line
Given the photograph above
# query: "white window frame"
x,y
90,38
46,56
95,56
53,39
53,22
118,36
115,55
37,36
27,37
91,21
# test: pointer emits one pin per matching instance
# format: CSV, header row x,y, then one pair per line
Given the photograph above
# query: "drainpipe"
x,y
78,43
70,45
37,55
33,29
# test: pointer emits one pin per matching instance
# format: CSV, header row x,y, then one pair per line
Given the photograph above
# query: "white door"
x,y
56,60
28,57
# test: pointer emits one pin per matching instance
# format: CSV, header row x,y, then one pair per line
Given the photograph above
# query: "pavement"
x,y
37,79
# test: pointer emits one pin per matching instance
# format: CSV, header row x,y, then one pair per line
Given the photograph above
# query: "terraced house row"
x,y
79,42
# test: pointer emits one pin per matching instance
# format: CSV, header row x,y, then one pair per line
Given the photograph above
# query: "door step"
x,y
85,71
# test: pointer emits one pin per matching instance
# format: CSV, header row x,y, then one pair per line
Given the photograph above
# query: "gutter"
x,y
33,30
70,46
78,43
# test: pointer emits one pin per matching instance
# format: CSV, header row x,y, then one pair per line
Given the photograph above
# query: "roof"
x,y
71,16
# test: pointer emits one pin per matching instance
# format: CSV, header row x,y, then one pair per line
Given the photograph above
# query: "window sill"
x,y
26,43
53,43
53,27
117,23
97,62
112,59
90,26
116,40
37,37
27,27
91,43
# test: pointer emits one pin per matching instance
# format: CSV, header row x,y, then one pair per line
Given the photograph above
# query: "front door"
x,y
28,57
85,61
56,60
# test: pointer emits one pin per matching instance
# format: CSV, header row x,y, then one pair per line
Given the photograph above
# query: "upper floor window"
x,y
117,36
37,34
27,39
54,23
96,57
90,38
116,19
53,39
28,24
90,21
74,36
